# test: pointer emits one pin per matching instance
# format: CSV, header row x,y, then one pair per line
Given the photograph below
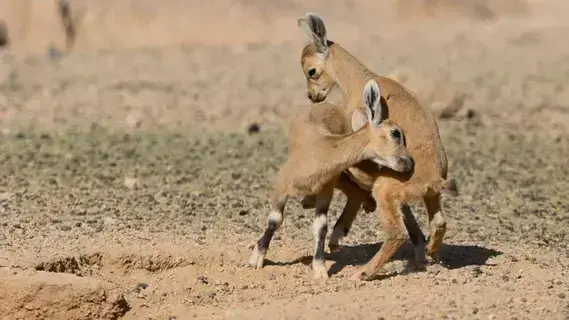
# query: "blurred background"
x,y
453,54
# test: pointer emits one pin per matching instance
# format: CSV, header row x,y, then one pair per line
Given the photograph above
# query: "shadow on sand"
x,y
451,256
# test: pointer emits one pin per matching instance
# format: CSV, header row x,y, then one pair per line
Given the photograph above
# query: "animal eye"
x,y
396,134
311,72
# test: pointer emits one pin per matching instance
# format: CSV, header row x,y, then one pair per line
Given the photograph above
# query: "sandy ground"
x,y
131,189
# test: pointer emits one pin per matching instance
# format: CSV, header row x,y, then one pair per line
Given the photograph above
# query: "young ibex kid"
x,y
317,158
326,64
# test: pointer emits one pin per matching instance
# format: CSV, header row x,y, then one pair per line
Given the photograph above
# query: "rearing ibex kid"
x,y
325,65
317,158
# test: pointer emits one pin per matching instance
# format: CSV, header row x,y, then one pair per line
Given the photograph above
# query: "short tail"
x,y
449,187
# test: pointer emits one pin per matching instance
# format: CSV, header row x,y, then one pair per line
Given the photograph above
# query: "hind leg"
x,y
416,235
437,225
393,222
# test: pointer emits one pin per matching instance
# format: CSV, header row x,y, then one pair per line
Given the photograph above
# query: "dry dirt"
x,y
131,189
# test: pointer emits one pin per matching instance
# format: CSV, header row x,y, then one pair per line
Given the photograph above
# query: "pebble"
x,y
141,286
203,279
130,182
476,272
253,128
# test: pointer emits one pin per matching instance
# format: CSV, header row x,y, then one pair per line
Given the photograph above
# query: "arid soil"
x,y
132,185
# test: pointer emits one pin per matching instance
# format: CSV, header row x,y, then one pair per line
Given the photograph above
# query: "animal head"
x,y
314,60
387,140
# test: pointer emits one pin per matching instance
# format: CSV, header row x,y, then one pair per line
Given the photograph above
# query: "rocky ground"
x,y
132,183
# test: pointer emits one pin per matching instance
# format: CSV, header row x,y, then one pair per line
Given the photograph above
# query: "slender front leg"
x,y
320,228
394,226
275,221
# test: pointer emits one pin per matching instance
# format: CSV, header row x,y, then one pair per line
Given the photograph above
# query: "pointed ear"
x,y
371,98
319,31
305,29
314,29
358,120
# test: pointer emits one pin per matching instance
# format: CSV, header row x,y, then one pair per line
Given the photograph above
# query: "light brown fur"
x,y
317,158
327,64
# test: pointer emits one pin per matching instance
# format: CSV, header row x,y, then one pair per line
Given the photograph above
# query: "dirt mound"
x,y
44,295
472,9
88,264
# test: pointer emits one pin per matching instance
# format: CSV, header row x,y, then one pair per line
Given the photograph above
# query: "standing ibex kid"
x,y
326,64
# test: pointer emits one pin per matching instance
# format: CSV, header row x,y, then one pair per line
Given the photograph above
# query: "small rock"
x,y
476,272
130,183
141,286
253,128
134,120
203,279
475,310
561,295
172,318
203,228
243,212
109,221
505,278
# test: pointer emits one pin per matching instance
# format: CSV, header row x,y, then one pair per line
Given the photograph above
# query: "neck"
x,y
350,74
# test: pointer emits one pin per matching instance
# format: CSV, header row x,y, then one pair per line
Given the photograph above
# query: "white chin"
x,y
389,162
380,163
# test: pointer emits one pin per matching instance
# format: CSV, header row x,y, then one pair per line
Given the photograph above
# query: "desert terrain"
x,y
136,165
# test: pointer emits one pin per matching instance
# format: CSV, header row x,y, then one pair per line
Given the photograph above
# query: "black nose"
x,y
408,161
